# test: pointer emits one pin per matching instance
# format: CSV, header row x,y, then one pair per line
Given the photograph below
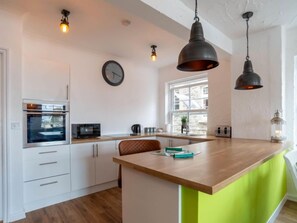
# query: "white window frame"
x,y
171,110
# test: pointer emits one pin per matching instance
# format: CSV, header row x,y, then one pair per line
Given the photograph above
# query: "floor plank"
x,y
106,207
288,213
102,207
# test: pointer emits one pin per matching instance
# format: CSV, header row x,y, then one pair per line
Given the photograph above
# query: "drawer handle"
x,y
47,152
42,164
49,183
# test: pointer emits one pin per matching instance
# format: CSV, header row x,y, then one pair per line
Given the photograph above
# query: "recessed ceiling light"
x,y
126,22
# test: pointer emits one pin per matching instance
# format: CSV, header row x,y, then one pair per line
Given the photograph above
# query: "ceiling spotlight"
x,y
154,54
248,80
197,55
64,25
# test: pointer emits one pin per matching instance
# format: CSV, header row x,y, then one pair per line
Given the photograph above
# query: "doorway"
x,y
3,137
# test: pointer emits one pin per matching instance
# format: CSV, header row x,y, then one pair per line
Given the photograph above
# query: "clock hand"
x,y
116,74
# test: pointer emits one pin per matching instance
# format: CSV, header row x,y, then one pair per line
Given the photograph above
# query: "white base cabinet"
x,y
172,142
91,164
46,172
46,188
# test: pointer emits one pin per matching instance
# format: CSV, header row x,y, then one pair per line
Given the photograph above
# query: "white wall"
x,y
291,95
219,107
252,110
10,39
290,82
92,99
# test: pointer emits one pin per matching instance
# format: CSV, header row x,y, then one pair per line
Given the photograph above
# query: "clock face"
x,y
113,73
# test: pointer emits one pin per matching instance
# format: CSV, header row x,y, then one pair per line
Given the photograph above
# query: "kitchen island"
x,y
230,180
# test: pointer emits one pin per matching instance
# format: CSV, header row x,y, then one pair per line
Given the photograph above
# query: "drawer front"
x,y
46,162
45,188
44,153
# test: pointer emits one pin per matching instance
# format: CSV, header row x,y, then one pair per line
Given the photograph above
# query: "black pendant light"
x,y
197,55
248,80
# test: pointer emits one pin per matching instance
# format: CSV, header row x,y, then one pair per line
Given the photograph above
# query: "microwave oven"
x,y
80,131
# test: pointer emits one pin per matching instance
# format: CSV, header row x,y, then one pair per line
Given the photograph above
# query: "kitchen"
x,y
143,87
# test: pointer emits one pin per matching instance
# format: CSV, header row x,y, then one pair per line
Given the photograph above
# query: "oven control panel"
x,y
223,131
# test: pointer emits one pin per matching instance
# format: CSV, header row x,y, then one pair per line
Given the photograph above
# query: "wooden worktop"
x,y
220,163
144,135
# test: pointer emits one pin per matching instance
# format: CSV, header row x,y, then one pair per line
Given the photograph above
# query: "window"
x,y
189,98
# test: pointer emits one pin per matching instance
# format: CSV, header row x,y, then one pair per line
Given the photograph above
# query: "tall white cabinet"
x,y
45,80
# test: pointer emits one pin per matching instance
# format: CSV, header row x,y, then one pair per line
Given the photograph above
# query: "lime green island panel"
x,y
251,199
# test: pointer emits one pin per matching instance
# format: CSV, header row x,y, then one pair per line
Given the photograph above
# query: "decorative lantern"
x,y
277,128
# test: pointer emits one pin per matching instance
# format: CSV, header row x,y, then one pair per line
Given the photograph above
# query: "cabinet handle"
x,y
54,182
93,150
42,164
47,152
67,92
97,150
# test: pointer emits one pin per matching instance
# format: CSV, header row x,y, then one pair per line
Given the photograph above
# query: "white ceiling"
x,y
96,24
226,14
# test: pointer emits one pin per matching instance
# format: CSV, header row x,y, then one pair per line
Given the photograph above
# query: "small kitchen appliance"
x,y
136,128
90,130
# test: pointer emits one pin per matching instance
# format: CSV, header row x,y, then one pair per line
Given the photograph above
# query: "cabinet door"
x,y
45,79
106,169
82,165
179,142
164,142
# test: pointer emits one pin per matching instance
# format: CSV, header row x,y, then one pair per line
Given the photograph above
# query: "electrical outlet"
x,y
223,131
15,125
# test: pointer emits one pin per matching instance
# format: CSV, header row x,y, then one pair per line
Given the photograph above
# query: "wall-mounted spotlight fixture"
x,y
154,54
197,55
248,80
64,25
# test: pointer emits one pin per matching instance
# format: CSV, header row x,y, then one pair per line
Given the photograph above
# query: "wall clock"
x,y
113,73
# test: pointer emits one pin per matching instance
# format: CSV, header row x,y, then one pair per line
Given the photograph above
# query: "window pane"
x,y
189,98
198,123
199,104
198,92
181,99
176,121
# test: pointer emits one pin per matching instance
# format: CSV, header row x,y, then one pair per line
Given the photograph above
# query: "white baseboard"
x,y
68,196
277,210
94,189
16,216
292,197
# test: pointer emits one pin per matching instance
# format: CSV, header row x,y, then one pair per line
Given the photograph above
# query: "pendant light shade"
x,y
197,55
248,80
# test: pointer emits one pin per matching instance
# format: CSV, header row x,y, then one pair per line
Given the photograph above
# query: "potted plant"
x,y
184,120
184,126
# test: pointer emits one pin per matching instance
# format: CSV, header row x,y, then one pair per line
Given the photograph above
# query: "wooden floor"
x,y
288,213
106,206
101,207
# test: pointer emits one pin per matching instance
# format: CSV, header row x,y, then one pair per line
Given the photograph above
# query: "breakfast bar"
x,y
229,180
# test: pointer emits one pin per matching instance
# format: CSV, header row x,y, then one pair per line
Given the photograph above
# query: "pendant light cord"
x,y
196,18
247,39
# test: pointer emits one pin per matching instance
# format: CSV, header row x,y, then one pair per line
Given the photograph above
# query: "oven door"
x,y
45,128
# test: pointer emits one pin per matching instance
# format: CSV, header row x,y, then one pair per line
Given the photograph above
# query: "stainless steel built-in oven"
x,y
46,123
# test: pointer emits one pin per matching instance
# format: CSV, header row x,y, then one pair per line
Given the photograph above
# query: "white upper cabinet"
x,y
45,79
